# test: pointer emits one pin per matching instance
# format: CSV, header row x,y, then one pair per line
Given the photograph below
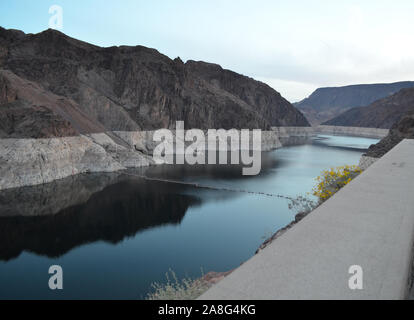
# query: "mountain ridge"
x,y
328,102
132,88
383,113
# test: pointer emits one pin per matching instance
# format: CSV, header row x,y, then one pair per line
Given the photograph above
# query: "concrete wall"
x,y
369,223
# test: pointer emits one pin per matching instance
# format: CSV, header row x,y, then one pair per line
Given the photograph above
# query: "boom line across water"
x,y
203,186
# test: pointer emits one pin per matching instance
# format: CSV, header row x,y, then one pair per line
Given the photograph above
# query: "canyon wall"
x,y
70,86
70,107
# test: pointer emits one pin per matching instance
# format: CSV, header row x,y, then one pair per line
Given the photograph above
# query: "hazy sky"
x,y
294,46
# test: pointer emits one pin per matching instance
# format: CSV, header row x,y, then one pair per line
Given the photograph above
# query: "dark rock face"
x,y
29,111
380,114
266,101
137,88
403,129
19,118
327,103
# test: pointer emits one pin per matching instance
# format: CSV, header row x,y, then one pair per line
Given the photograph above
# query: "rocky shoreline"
x,y
362,132
28,162
403,129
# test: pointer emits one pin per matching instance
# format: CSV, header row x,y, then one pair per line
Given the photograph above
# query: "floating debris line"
x,y
203,186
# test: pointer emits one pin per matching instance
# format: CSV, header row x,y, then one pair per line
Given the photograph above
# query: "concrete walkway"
x,y
369,223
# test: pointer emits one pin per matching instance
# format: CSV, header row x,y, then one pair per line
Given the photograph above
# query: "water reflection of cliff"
x,y
213,172
52,219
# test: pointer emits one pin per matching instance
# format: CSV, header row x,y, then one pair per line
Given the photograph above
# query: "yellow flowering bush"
x,y
330,181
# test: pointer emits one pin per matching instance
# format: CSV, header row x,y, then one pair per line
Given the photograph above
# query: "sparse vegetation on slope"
x,y
332,180
175,289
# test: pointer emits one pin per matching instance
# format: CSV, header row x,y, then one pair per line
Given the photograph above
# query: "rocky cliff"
x,y
403,129
383,113
326,103
127,89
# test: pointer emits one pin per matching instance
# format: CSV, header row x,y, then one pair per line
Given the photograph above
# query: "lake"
x,y
115,234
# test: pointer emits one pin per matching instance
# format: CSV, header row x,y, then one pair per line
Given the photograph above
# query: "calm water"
x,y
114,234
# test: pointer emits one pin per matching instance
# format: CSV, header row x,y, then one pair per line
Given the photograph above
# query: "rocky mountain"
x,y
327,103
54,85
383,113
402,129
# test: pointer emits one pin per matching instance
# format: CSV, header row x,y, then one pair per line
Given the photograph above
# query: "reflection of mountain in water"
x,y
324,142
212,171
119,210
53,197
52,219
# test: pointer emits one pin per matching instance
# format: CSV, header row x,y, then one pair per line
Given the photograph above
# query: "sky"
x,y
293,46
